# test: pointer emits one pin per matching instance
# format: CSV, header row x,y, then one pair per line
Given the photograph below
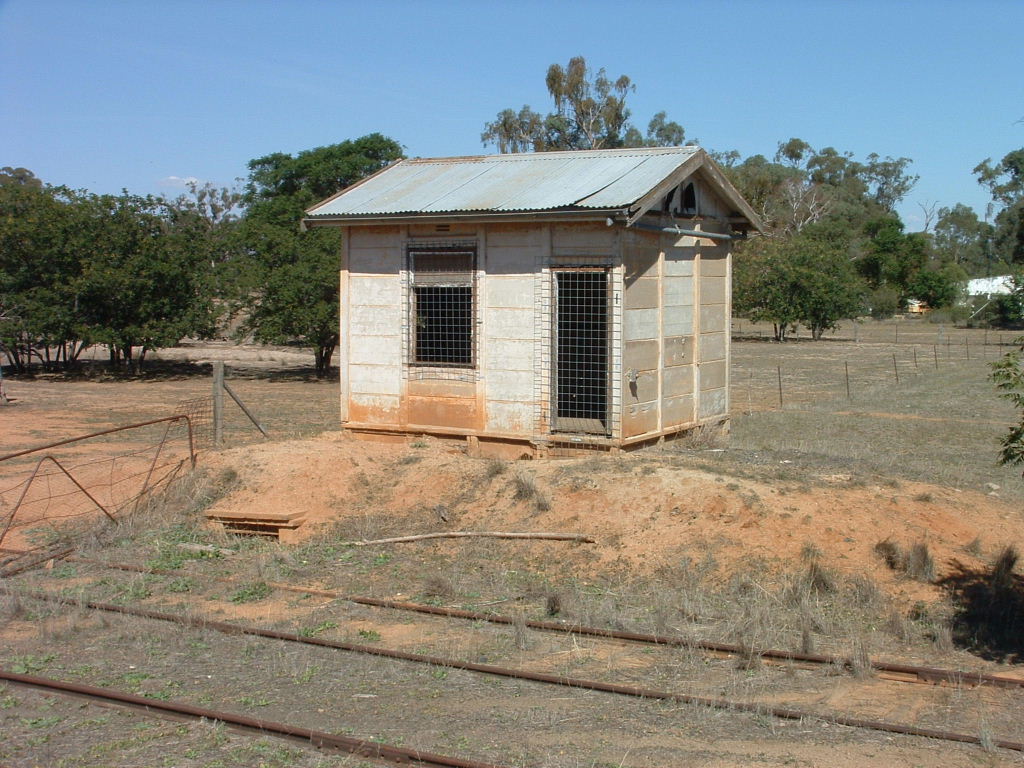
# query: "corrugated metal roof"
x,y
545,181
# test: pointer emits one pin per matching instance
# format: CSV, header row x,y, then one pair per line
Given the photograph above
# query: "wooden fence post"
x,y
218,403
847,364
778,369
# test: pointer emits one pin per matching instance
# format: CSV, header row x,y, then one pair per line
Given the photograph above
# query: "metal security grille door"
x,y
581,351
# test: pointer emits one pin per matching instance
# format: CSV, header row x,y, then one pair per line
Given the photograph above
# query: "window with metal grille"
x,y
442,306
581,359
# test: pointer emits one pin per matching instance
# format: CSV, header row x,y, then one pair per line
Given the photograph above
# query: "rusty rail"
x,y
318,739
932,675
784,713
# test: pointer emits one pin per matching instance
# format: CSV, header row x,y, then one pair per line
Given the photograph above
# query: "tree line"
x,y
834,246
136,273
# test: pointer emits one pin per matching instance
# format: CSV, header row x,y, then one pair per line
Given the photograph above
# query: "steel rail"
x,y
784,713
930,675
319,739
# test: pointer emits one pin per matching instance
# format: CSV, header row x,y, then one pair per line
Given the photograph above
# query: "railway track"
x,y
785,713
889,671
321,740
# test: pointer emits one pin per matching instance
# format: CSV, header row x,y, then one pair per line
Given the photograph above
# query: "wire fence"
x,y
762,381
107,474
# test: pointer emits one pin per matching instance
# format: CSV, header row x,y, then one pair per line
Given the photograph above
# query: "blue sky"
x,y
105,95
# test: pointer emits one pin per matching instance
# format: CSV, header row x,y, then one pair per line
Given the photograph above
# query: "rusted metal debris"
x,y
319,739
784,713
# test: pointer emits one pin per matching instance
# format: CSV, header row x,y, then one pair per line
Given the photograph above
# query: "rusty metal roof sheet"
x,y
545,181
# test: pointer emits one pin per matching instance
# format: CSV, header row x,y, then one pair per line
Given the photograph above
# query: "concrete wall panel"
x,y
642,294
643,390
639,324
679,262
509,292
640,355
373,409
374,379
712,347
375,350
517,386
375,321
713,375
712,318
375,291
676,381
678,350
712,290
508,354
375,260
639,419
678,291
677,411
515,418
509,323
678,321
714,402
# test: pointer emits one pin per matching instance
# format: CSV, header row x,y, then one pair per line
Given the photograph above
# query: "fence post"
x,y
967,347
935,352
218,403
895,368
778,369
915,356
847,365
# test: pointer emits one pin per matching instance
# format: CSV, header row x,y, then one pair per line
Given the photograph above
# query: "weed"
x,y
520,635
438,586
382,558
410,459
553,604
493,468
819,579
809,551
418,444
181,585
28,665
919,564
525,486
250,593
307,674
890,552
323,626
253,701
369,635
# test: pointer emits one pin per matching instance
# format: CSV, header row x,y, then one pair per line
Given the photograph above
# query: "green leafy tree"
x,y
290,290
590,112
1008,375
38,266
143,284
804,280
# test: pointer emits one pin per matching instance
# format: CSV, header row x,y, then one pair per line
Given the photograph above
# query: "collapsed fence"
x,y
107,474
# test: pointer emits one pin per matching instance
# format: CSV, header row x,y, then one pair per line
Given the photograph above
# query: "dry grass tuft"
x,y
919,563
890,552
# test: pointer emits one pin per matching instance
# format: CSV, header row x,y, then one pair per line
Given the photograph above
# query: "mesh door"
x,y
581,355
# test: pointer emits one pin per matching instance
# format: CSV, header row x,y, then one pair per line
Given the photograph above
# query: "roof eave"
x,y
586,214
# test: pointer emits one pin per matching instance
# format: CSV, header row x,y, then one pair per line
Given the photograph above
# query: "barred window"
x,y
442,306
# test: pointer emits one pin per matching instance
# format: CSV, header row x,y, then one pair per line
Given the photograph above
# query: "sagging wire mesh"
x,y
103,474
200,412
581,351
443,306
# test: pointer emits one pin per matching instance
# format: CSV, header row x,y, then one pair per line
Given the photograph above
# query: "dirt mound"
x,y
645,509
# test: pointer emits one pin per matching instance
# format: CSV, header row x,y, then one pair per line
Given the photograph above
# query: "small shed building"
x,y
537,303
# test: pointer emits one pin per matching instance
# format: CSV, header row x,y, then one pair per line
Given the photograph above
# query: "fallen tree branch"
x,y
467,534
